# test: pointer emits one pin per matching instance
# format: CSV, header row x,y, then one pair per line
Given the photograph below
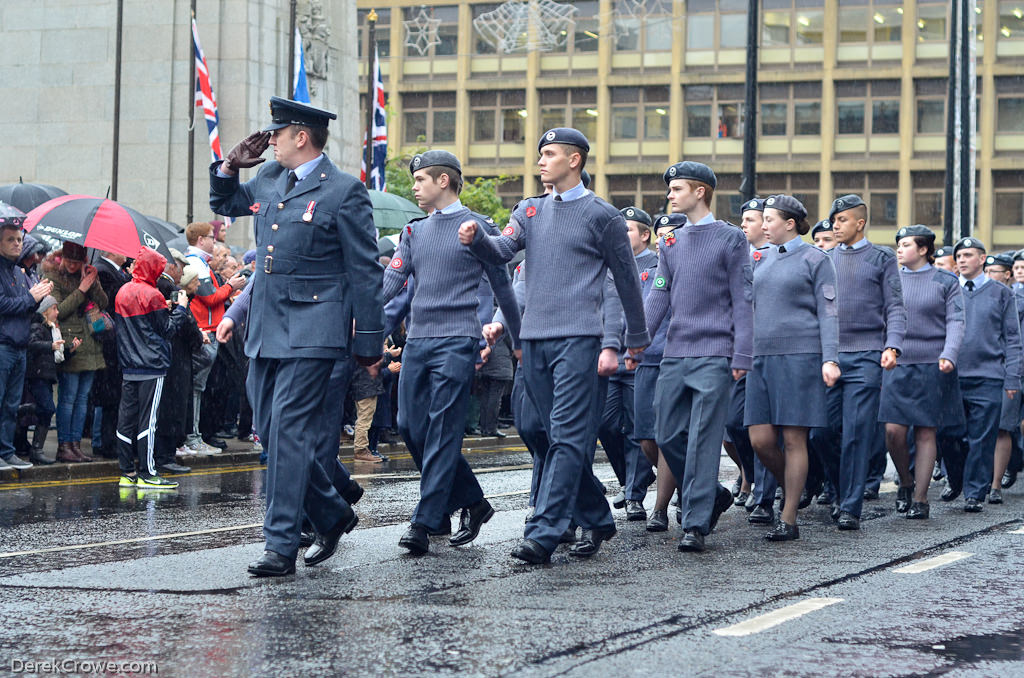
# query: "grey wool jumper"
x,y
571,247
871,312
935,316
445,298
992,346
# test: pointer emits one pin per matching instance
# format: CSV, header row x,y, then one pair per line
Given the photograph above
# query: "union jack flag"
x,y
204,95
379,131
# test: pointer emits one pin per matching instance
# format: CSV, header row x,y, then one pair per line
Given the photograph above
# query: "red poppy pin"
x,y
254,208
531,210
519,268
396,263
509,230
408,229
757,256
670,239
644,276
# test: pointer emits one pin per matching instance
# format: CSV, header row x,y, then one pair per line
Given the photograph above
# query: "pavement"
x,y
91,573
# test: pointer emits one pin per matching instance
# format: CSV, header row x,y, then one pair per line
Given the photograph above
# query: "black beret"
x,y
968,243
564,135
636,214
823,225
1001,259
1019,255
944,251
787,204
755,204
917,230
284,112
675,220
695,171
585,178
843,203
434,159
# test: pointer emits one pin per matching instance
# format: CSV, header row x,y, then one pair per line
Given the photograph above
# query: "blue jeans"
x,y
72,404
12,381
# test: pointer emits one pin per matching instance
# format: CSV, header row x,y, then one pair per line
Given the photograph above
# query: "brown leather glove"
x,y
248,151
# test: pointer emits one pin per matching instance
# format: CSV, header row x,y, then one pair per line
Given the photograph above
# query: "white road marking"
x,y
932,563
776,617
1019,530
136,540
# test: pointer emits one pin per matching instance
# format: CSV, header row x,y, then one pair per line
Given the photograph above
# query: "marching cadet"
x,y
439,359
872,322
990,360
561,343
796,343
317,273
822,235
705,279
944,260
916,392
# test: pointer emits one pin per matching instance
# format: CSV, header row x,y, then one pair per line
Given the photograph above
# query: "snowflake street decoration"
x,y
421,32
508,28
631,14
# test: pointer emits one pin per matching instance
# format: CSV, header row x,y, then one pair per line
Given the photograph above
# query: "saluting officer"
x,y
317,272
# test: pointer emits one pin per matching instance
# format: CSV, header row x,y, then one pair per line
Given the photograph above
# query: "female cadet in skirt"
x,y
796,344
914,393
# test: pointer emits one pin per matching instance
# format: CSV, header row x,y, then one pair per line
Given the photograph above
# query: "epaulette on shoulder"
x,y
408,226
887,252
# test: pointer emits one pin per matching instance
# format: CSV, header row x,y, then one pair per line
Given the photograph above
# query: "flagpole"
x,y
371,77
117,101
291,51
191,121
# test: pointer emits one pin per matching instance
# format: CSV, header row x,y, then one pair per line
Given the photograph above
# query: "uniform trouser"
x,y
846,446
737,431
983,399
433,397
330,433
136,424
631,467
561,381
692,400
765,484
531,431
288,396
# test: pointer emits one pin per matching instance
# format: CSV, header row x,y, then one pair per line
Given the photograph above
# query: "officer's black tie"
x,y
558,198
969,285
292,179
782,249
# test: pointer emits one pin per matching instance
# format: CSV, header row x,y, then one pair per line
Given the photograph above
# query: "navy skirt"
x,y
644,380
916,395
1009,418
786,390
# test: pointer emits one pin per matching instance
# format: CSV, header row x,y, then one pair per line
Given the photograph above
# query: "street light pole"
x,y
117,100
371,74
291,50
748,186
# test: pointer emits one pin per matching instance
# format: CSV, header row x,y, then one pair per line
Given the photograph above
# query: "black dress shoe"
x,y
973,505
783,531
620,499
658,521
835,512
723,500
530,511
39,460
904,497
824,499
1009,478
937,474
635,510
679,516
444,530
499,435
780,494
951,492
737,484
569,536
751,503
531,552
306,539
995,496
173,467
470,522
918,511
353,493
325,544
590,541
692,540
848,521
415,539
216,442
870,494
762,515
271,564
741,499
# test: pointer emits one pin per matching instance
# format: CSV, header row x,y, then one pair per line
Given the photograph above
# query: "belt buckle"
x,y
268,264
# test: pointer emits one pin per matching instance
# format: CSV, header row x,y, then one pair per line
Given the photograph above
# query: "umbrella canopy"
x,y
387,245
391,212
27,197
96,222
172,235
11,215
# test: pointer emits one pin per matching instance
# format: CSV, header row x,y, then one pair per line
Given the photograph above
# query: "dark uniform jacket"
x,y
313,277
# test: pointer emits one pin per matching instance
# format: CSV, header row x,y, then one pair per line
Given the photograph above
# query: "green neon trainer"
x,y
156,482
127,481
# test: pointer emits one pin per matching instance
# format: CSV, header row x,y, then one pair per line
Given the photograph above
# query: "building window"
x,y
1010,104
931,20
570,108
877,102
801,185
1009,198
497,116
640,113
724,101
480,44
930,98
1011,20
447,30
877,189
583,33
429,118
866,21
792,22
779,102
652,33
929,190
646,192
711,27
381,34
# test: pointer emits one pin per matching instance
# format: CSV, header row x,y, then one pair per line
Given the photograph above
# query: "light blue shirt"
x,y
793,243
978,282
863,242
923,268
575,193
306,168
708,218
454,207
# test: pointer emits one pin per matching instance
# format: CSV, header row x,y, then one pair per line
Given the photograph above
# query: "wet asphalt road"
x,y
90,572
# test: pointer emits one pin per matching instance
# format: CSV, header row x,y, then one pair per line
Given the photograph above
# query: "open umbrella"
x,y
11,215
27,197
391,212
387,245
95,222
172,235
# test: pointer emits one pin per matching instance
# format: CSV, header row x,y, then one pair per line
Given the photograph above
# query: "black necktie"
x,y
969,285
558,198
291,182
782,249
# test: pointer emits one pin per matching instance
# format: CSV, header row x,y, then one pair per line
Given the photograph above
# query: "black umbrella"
x,y
11,215
27,197
170,234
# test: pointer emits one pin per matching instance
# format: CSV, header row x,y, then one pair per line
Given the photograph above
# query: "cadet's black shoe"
x,y
1009,478
470,522
620,499
783,531
751,503
569,536
723,500
306,539
834,513
848,521
762,515
736,486
271,564
692,540
635,510
904,497
325,544
590,542
741,499
995,496
679,516
918,511
937,474
805,499
531,552
870,494
444,530
415,539
353,493
658,521
973,505
951,492
824,499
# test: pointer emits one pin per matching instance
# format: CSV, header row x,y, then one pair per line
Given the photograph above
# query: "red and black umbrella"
x,y
27,197
95,222
11,215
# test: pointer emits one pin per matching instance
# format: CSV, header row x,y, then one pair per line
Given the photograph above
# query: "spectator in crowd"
x,y
18,301
106,389
32,253
78,292
364,389
46,350
493,380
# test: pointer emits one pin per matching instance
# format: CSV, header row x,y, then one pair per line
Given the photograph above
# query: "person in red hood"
x,y
144,322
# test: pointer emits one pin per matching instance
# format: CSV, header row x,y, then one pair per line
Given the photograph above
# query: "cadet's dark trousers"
x,y
561,381
878,460
765,484
737,431
433,397
136,424
983,401
288,396
631,467
531,430
846,446
692,399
